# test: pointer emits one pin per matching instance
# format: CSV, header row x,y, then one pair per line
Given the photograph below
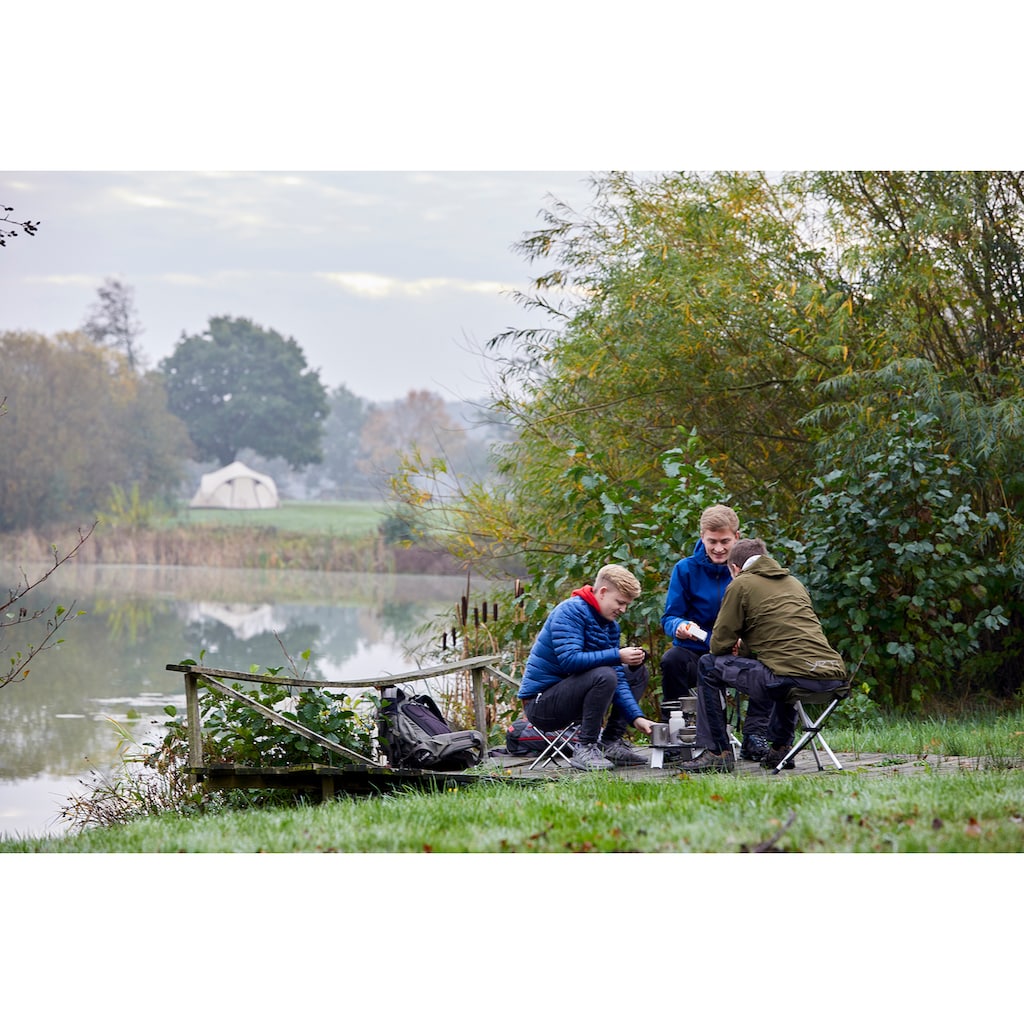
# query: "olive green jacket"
x,y
770,611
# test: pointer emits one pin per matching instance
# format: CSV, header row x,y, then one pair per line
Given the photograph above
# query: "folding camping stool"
x,y
811,735
559,745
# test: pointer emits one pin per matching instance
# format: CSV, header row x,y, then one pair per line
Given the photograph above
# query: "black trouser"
x,y
679,676
757,681
585,698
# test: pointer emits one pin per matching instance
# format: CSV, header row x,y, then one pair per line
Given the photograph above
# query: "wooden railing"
x,y
212,678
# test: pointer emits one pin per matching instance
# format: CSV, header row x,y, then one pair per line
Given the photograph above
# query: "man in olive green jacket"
x,y
766,640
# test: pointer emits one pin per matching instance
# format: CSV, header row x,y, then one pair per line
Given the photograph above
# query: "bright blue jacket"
x,y
695,591
574,638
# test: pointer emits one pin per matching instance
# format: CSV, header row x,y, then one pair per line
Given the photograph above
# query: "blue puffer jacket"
x,y
695,591
576,637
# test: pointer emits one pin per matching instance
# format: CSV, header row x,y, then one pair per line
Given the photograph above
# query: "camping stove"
x,y
676,735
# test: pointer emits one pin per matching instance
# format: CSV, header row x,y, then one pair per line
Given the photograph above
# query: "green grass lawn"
x,y
342,518
967,810
833,812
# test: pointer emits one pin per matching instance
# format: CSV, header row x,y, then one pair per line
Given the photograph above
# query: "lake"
x,y
56,724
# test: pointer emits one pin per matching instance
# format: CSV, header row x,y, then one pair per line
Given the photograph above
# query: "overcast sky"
x,y
388,280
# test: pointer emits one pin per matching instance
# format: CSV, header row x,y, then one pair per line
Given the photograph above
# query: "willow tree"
x,y
690,318
940,262
789,327
678,306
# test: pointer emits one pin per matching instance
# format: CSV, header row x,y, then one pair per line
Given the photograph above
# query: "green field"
x,y
340,518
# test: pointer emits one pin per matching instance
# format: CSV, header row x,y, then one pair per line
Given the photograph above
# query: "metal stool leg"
x,y
811,736
556,747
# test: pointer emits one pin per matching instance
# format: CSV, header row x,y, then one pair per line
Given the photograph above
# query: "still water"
x,y
56,724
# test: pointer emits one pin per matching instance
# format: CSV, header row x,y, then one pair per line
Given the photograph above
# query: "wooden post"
x,y
479,704
195,723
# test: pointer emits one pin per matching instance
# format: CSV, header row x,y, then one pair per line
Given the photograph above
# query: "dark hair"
x,y
746,548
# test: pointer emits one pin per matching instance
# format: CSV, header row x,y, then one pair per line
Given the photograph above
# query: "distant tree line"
x,y
86,421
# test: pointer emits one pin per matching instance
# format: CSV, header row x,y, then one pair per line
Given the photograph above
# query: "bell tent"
x,y
235,486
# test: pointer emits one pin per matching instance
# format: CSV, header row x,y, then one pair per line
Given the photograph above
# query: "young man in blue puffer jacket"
x,y
576,672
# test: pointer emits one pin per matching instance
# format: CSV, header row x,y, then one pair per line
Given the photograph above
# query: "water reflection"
x,y
138,619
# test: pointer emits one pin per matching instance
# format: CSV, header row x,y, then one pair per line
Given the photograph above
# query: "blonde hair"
x,y
719,517
619,577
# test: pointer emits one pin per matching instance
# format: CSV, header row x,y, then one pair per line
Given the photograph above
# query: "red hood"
x,y
588,595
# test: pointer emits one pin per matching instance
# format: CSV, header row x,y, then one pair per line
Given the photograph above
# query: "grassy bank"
x,y
972,810
965,812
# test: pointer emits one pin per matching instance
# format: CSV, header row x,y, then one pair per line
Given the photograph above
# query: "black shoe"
x,y
708,762
775,755
755,747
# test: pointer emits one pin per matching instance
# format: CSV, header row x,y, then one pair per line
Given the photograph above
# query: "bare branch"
x,y
9,617
28,226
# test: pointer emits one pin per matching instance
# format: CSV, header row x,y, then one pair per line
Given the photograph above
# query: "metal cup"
x,y
659,734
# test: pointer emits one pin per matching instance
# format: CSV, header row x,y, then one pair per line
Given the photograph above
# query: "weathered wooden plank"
x,y
479,704
194,721
351,778
376,682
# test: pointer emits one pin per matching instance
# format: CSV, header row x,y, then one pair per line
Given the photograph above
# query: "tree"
x,y
80,423
239,386
794,325
15,614
340,475
28,226
113,320
418,424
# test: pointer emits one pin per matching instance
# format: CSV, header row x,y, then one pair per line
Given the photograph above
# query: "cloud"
x,y
75,280
379,286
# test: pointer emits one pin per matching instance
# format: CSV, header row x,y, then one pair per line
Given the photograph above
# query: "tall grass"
x,y
315,536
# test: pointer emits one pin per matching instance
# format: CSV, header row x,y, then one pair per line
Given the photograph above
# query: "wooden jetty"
x,y
358,773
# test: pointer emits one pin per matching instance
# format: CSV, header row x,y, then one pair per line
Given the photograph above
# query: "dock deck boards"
x,y
358,779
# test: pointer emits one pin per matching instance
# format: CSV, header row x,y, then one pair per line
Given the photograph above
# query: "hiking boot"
x,y
622,752
588,758
755,747
708,762
775,755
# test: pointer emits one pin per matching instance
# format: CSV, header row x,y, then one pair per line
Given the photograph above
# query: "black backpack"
x,y
414,734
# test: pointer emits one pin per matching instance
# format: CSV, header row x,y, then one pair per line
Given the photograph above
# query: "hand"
x,y
632,655
643,724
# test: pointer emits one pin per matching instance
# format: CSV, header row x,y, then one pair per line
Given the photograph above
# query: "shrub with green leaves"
x,y
891,551
621,522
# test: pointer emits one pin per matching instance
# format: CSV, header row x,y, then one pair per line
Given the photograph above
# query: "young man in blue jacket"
x,y
695,591
576,672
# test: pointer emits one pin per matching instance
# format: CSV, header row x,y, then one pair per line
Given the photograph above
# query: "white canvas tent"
x,y
235,486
